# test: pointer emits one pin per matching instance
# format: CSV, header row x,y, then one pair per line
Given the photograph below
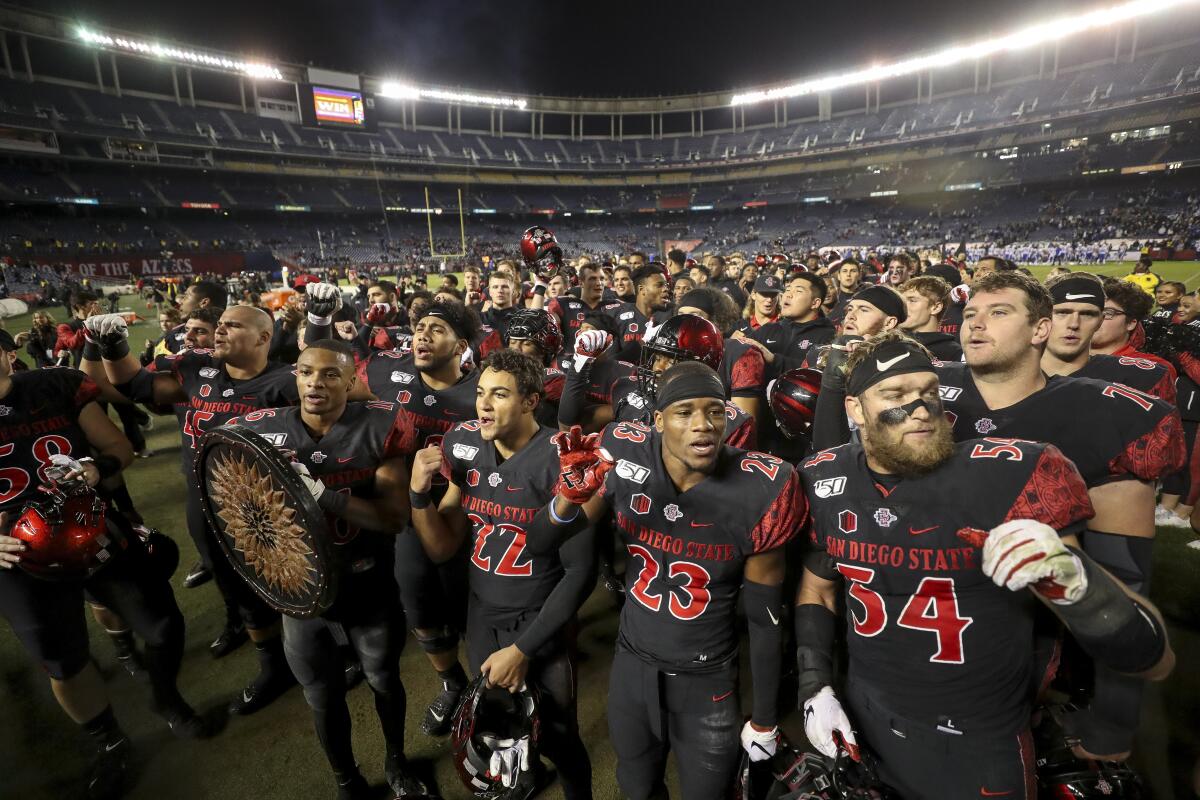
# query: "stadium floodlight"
x,y
403,91
1022,39
249,68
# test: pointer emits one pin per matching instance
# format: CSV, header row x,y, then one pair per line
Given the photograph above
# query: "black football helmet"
x,y
793,774
538,326
1060,774
484,721
540,249
683,337
793,400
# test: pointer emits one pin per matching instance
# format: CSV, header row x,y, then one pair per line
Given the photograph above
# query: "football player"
x,y
743,369
873,310
53,428
1121,440
1079,310
232,379
353,459
571,311
704,524
940,622
502,468
536,334
925,300
592,375
651,299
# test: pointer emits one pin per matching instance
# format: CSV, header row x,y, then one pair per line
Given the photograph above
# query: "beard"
x,y
887,447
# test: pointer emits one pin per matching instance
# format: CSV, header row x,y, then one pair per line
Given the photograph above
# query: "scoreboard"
x,y
327,107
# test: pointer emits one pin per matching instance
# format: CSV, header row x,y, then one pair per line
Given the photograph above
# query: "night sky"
x,y
614,48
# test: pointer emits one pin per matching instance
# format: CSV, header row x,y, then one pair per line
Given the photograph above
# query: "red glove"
x,y
583,464
378,313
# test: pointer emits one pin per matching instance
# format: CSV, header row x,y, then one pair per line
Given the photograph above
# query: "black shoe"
x,y
440,714
109,771
187,724
403,785
257,696
353,788
231,638
198,575
354,673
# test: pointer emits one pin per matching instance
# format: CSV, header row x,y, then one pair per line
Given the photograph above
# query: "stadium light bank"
x,y
253,70
405,92
1023,39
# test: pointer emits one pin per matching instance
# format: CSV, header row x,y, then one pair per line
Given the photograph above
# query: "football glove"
x,y
827,726
314,485
589,346
1026,553
583,463
759,745
324,300
379,313
102,328
509,760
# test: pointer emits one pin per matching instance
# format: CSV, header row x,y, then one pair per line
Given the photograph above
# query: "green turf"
x,y
275,754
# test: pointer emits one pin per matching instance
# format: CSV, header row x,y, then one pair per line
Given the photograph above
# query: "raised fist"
x,y
583,463
106,327
1026,553
589,346
324,300
379,313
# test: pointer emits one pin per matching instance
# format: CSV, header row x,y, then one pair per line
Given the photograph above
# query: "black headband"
x,y
696,299
1078,290
886,300
690,386
440,313
894,358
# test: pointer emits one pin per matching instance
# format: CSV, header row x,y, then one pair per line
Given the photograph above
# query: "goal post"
x,y
462,229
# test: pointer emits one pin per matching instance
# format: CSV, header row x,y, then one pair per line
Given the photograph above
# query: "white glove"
x,y
100,325
960,294
65,471
509,759
823,718
759,745
324,300
314,485
1025,552
589,345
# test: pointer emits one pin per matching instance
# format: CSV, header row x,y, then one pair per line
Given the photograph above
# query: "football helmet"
x,y
683,337
793,774
793,400
761,261
780,258
1060,774
68,536
541,252
538,326
485,721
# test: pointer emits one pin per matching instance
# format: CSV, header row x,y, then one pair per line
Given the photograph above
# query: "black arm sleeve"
x,y
578,557
362,342
316,333
543,534
764,607
574,396
815,627
830,427
139,388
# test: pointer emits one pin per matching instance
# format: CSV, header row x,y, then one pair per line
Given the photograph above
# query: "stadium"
x,y
1049,154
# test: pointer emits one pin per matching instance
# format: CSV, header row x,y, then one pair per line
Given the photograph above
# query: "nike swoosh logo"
x,y
1077,297
436,715
449,413
512,489
919,531
344,460
702,524
883,366
771,614
719,697
772,341
985,793
108,748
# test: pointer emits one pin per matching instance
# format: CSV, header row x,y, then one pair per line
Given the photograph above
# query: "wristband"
x,y
91,350
313,319
559,520
539,289
333,502
419,500
114,351
107,465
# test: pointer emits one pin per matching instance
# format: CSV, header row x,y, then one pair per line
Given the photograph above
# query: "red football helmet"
x,y
484,721
760,261
68,536
541,252
780,258
683,337
540,327
793,400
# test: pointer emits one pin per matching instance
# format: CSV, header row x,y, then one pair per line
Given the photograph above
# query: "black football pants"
x,y
651,713
553,671
364,617
434,596
922,763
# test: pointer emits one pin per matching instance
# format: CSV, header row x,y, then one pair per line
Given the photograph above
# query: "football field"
x,y
274,754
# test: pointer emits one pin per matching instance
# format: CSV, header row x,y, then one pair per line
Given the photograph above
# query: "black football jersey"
x,y
606,376
214,398
686,551
1110,431
743,370
631,329
570,311
630,405
39,418
345,459
393,376
1139,373
500,497
937,640
546,412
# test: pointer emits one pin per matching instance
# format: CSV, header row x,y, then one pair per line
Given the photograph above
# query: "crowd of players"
x,y
956,469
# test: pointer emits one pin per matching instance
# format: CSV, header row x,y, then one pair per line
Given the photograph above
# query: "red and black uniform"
x,y
631,329
630,405
941,660
214,398
743,370
394,377
1154,377
571,312
39,417
519,597
365,611
674,682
